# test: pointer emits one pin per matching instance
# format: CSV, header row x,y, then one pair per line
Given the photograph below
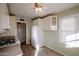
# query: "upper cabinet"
x,y
4,17
49,23
53,22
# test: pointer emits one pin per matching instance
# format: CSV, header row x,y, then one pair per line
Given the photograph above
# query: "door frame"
x,y
26,25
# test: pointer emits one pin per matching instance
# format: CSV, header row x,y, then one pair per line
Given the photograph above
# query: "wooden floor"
x,y
28,50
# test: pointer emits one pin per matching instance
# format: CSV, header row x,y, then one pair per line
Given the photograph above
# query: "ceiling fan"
x,y
38,7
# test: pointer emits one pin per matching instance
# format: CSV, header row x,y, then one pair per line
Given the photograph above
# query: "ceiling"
x,y
26,9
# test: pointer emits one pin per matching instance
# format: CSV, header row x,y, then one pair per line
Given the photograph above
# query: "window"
x,y
54,23
68,31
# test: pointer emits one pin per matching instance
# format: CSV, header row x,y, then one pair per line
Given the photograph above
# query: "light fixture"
x,y
37,7
38,10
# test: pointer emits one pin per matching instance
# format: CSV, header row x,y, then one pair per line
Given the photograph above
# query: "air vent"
x,y
21,19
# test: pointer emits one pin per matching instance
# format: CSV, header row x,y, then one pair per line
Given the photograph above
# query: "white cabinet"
x,y
49,23
53,22
4,17
45,23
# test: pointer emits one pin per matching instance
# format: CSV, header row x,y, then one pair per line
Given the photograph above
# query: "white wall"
x,y
28,31
52,37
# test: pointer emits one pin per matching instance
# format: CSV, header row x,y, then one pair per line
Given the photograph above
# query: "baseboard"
x,y
57,51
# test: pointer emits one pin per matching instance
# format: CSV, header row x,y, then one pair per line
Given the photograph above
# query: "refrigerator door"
x,y
35,37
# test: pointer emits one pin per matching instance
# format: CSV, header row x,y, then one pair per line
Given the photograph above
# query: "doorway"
x,y
21,31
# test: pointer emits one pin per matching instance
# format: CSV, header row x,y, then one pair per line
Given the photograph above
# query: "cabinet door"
x,y
45,23
4,17
53,22
49,23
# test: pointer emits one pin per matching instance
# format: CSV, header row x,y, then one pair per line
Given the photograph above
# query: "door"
x,y
21,31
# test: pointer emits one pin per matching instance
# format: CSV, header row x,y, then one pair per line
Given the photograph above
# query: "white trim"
x,y
21,21
26,29
56,51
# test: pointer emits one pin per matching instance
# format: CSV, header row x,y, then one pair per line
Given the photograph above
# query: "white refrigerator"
x,y
37,38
